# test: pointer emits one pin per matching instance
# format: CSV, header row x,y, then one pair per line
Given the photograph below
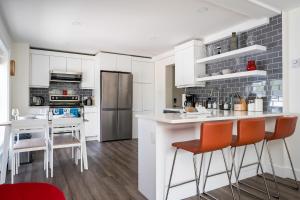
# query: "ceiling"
x,y
138,27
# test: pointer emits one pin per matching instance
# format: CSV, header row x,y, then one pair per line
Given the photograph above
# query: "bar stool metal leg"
x,y
273,170
196,176
172,169
233,168
290,159
201,163
261,168
227,172
209,162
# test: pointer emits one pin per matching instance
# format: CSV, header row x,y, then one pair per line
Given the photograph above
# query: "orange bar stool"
x,y
249,132
285,127
214,136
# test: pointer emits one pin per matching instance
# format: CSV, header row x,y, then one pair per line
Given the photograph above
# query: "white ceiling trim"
x,y
266,6
248,25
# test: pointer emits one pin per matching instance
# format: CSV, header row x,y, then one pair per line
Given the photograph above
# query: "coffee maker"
x,y
188,100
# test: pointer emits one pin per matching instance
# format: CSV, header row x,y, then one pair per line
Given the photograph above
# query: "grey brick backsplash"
x,y
44,92
269,35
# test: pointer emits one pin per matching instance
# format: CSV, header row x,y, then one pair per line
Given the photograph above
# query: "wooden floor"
x,y
112,175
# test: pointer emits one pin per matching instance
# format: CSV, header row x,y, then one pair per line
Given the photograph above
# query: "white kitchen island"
x,y
155,153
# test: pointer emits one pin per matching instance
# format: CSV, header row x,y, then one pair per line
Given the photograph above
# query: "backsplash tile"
x,y
269,87
44,92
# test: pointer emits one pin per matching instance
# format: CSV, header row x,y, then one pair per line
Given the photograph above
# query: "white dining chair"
x,y
39,142
65,133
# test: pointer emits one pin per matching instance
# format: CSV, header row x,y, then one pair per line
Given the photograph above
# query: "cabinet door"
x,y
39,70
147,72
189,67
91,126
137,104
148,97
179,66
123,63
88,74
137,71
73,64
58,63
108,61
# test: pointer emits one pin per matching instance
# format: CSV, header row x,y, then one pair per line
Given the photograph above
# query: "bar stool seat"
x,y
192,146
269,135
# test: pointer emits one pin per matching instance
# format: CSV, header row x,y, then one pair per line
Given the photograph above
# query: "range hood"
x,y
71,77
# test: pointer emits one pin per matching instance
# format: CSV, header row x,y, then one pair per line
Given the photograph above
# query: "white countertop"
x,y
216,115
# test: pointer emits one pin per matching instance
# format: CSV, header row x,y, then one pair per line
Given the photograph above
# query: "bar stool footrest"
x,y
281,183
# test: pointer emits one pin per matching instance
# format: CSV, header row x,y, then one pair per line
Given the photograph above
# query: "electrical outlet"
x,y
296,63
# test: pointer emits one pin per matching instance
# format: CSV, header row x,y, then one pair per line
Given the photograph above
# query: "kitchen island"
x,y
155,153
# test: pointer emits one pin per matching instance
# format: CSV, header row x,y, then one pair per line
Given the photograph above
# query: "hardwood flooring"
x,y
112,175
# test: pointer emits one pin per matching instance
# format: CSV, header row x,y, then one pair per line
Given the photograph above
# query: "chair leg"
x,y
205,179
290,159
51,162
260,156
17,162
233,168
273,170
262,171
200,168
172,169
196,176
227,172
241,164
72,152
12,167
47,162
81,159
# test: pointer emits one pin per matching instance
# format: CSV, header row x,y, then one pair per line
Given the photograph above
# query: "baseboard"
x,y
282,171
92,138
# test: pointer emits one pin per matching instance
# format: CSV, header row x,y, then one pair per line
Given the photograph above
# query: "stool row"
x,y
216,136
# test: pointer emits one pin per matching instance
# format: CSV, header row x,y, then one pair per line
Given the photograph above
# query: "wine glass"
x,y
15,113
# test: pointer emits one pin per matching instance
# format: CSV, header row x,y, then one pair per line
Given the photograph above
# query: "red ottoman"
x,y
30,191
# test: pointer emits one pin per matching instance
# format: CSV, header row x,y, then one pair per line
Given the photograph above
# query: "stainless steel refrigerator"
x,y
116,105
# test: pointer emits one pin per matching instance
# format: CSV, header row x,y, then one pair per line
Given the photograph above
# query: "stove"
x,y
64,101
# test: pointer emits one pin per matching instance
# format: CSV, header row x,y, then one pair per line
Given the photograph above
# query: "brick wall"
x,y
269,87
44,92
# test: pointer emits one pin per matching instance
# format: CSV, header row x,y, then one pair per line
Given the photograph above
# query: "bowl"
x,y
226,71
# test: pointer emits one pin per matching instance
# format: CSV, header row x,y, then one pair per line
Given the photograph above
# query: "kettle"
x,y
38,101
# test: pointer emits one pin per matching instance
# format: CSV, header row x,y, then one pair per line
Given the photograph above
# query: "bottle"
x,y
234,41
215,105
258,104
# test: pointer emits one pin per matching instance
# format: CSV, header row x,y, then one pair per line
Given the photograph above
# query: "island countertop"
x,y
216,115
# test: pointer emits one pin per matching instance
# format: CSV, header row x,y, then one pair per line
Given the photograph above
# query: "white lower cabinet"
x,y
92,130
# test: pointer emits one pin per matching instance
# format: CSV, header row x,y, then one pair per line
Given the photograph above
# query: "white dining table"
x,y
6,146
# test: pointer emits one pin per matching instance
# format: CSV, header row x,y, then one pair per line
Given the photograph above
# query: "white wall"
x,y
160,80
291,81
20,82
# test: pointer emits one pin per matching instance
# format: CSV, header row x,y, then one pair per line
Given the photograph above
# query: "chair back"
x,y
215,135
66,124
30,126
250,131
285,126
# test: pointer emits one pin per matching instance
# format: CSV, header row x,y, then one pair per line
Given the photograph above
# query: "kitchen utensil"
x,y
250,39
251,65
219,50
38,100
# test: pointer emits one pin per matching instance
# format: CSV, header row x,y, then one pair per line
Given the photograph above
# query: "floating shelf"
x,y
233,54
233,75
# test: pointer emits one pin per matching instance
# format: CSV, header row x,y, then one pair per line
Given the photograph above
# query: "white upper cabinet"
x,y
73,64
88,74
148,97
123,63
108,61
58,63
186,69
39,70
143,72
